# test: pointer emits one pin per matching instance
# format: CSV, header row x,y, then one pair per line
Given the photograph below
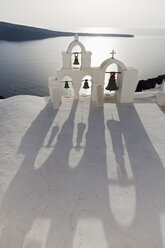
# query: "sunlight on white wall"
x,y
52,137
122,199
122,204
111,165
79,134
127,162
118,163
154,130
90,233
75,157
37,235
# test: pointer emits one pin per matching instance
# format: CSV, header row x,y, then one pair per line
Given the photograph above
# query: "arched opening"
x,y
67,87
76,58
110,80
86,85
118,68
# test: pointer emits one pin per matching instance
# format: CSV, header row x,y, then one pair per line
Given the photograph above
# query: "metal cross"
x,y
113,53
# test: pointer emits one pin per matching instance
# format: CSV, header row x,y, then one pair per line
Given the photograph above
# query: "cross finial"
x,y
113,53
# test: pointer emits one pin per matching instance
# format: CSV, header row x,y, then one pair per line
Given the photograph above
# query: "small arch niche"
x,y
111,68
67,87
76,57
87,91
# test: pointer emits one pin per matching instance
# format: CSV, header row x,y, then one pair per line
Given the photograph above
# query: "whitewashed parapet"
x,y
128,85
160,98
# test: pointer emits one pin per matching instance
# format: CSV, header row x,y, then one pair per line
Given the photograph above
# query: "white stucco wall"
x,y
127,87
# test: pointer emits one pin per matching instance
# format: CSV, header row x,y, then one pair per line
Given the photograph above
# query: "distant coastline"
x,y
15,32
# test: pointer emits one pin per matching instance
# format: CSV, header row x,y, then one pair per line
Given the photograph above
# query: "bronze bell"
x,y
86,85
66,85
76,62
112,85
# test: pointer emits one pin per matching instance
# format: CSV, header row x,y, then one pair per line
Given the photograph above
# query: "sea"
x,y
26,66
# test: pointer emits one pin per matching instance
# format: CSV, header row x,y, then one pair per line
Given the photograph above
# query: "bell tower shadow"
x,y
148,176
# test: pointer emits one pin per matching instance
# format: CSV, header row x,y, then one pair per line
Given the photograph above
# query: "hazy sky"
x,y
84,13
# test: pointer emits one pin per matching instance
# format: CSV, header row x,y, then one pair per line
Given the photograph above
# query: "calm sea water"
x,y
26,66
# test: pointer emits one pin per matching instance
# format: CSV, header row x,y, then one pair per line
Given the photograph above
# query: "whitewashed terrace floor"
x,y
82,176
